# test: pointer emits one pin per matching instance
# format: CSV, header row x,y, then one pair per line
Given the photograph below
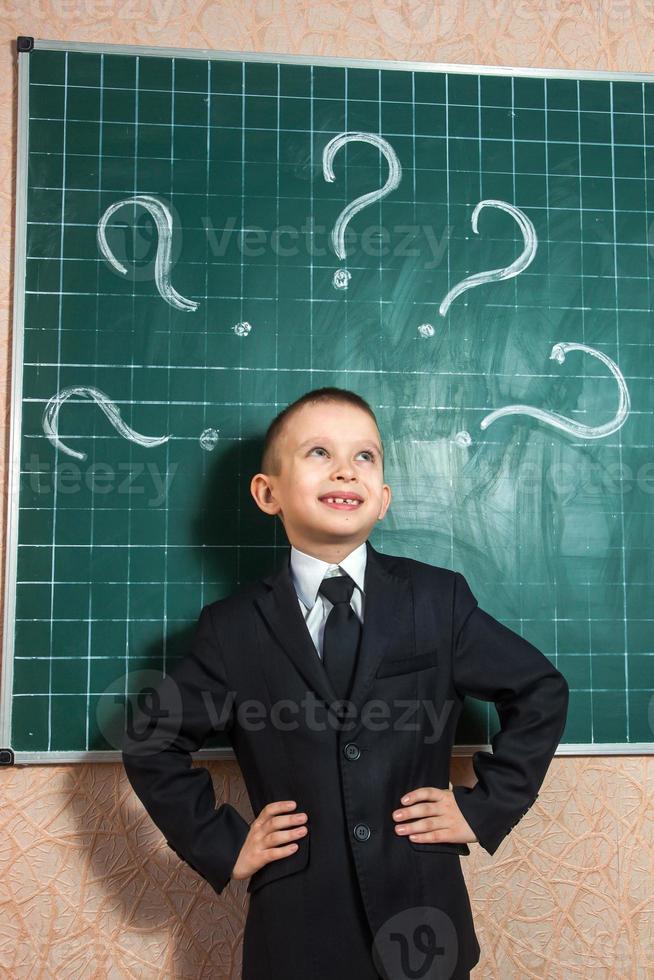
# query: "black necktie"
x,y
342,634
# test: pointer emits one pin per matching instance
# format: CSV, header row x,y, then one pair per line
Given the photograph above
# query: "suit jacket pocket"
x,y
446,846
406,665
282,866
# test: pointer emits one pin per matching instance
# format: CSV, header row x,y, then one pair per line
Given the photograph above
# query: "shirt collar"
x,y
308,572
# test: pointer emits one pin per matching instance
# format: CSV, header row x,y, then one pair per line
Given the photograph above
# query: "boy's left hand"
x,y
432,816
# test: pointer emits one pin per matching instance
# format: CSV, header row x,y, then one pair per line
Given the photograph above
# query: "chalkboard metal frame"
x,y
7,755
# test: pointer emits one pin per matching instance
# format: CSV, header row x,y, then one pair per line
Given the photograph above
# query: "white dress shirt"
x,y
307,574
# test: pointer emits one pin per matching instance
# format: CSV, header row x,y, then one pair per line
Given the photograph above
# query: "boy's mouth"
x,y
342,502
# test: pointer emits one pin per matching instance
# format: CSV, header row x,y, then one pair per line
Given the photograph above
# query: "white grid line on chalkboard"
x,y
388,134
263,95
620,433
206,305
290,197
647,211
242,301
276,523
88,224
383,302
447,252
96,338
515,281
547,213
346,170
135,189
583,334
380,267
59,325
513,173
312,212
413,373
168,377
196,262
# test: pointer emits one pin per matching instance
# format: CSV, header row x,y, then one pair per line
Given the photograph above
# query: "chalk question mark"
x,y
208,437
50,419
342,276
563,423
163,219
495,275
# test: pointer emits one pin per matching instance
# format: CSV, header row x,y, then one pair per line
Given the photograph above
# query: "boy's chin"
x,y
342,529
333,529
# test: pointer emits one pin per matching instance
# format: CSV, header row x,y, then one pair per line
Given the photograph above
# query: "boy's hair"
x,y
270,459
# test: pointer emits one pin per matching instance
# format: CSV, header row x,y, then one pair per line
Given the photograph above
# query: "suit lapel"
x,y
387,622
388,628
281,610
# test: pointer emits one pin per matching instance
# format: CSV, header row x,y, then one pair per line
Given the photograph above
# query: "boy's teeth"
x,y
341,500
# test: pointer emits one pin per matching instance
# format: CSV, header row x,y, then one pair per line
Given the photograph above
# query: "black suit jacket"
x,y
425,645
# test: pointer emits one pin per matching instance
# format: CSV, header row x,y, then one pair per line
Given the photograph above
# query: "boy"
x,y
340,679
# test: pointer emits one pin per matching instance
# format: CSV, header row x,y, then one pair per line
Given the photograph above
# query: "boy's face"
x,y
326,450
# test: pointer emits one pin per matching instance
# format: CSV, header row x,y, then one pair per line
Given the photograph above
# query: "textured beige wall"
x,y
88,887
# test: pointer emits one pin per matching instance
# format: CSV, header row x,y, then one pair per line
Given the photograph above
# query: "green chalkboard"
x,y
202,237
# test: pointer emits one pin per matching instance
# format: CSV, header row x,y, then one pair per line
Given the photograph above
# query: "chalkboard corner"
x,y
24,44
6,757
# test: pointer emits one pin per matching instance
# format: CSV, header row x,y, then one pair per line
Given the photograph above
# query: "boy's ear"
x,y
258,485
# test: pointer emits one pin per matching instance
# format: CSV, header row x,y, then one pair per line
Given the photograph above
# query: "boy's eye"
x,y
369,452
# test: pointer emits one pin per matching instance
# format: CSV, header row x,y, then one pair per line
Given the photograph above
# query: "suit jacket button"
x,y
351,751
361,831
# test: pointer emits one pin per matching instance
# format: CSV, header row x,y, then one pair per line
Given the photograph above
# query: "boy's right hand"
x,y
269,837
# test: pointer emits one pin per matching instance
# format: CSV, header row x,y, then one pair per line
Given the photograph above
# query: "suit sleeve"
x,y
180,712
493,663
